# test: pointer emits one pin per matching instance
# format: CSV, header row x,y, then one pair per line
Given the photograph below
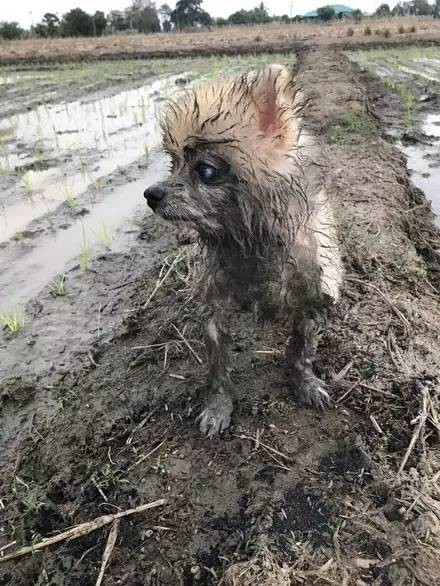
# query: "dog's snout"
x,y
154,195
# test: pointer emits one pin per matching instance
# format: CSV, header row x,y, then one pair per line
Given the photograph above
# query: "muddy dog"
x,y
246,176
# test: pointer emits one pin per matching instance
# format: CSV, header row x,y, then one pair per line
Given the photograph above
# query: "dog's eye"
x,y
206,173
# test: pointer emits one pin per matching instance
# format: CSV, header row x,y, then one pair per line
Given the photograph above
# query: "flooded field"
x,y
414,74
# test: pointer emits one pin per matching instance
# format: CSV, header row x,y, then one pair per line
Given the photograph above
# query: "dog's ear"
x,y
273,99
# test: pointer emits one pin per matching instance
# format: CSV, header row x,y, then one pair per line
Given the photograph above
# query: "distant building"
x,y
340,10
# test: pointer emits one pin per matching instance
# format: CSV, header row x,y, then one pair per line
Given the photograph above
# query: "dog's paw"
x,y
216,417
313,391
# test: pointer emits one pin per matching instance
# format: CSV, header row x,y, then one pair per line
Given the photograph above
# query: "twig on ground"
x,y
163,278
339,558
341,374
342,397
111,540
393,307
423,415
257,439
145,456
80,530
376,425
188,345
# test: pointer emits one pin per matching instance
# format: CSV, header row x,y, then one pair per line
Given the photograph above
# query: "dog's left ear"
x,y
273,99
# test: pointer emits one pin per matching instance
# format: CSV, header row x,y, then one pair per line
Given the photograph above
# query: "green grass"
x,y
350,127
407,100
12,320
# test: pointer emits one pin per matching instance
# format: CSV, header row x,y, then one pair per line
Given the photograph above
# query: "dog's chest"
x,y
262,288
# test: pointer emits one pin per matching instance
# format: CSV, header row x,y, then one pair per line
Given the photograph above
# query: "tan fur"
x,y
232,110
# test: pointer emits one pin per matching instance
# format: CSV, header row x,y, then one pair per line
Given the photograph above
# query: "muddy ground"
x,y
288,495
229,40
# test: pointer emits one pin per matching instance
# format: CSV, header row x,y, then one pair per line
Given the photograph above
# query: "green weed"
x,y
31,505
421,271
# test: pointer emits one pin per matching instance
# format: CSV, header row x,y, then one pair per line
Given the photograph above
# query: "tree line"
x,y
410,8
144,17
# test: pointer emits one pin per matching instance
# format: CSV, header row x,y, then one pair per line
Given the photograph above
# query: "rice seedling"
x,y
58,287
84,254
105,234
99,183
26,183
12,320
69,196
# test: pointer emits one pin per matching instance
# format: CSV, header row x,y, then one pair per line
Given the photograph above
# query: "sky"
x,y
27,12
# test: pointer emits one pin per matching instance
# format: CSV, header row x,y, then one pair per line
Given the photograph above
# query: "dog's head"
x,y
233,148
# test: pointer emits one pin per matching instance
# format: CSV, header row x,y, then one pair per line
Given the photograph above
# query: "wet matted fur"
x,y
246,176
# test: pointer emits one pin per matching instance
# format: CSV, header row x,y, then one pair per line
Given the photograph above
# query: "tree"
x,y
52,24
77,23
221,21
357,15
118,21
147,20
240,17
401,9
261,15
383,11
165,11
10,30
436,9
420,8
99,22
258,15
49,26
326,13
189,13
285,18
415,7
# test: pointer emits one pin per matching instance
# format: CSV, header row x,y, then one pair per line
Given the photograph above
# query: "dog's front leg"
x,y
309,389
216,416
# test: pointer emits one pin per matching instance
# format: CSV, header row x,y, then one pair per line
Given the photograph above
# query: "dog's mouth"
x,y
171,214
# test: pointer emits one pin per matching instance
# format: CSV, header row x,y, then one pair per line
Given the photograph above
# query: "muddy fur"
x,y
244,176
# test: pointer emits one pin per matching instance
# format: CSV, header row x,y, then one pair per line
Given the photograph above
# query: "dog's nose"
x,y
154,195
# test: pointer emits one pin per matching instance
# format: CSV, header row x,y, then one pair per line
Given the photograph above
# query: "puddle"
x,y
26,277
424,163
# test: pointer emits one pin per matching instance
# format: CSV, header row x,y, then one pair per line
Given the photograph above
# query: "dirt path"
x,y
289,496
